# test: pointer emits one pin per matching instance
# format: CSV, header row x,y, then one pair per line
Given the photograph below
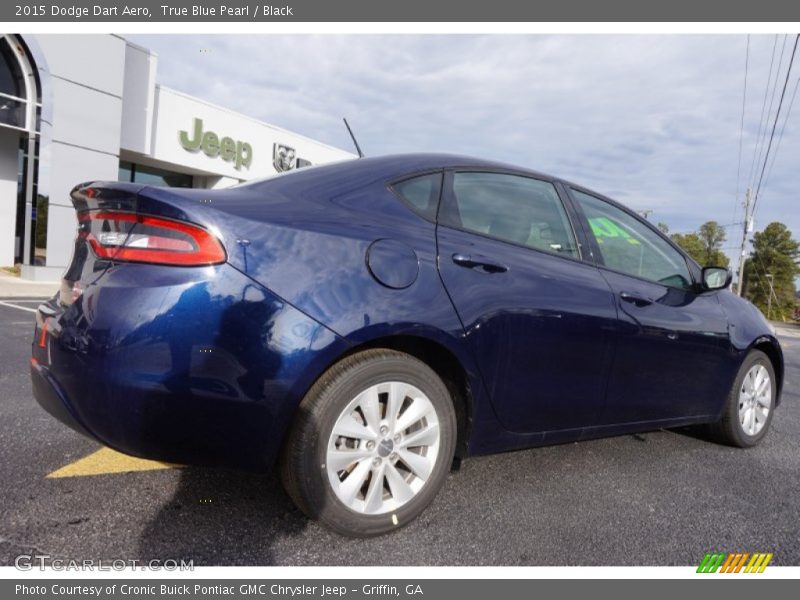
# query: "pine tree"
x,y
774,259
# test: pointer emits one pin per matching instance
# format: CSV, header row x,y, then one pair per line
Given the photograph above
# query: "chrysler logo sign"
x,y
284,158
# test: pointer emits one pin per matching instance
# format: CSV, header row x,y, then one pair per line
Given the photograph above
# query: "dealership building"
x,y
76,108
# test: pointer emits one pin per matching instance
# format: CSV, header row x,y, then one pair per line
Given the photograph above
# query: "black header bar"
x,y
151,11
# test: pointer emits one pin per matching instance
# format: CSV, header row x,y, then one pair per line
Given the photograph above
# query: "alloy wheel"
x,y
383,448
755,399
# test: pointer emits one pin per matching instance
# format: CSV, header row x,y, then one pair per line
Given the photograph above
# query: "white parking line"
x,y
25,308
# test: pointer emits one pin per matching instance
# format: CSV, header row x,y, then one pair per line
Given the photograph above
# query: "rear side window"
x,y
629,246
512,208
421,194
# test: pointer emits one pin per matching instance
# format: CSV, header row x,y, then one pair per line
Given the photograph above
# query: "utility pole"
x,y
747,228
769,296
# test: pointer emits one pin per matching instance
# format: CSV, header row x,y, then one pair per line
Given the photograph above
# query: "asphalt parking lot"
x,y
661,498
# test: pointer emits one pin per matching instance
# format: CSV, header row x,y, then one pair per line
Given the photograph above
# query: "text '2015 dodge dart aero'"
x,y
363,323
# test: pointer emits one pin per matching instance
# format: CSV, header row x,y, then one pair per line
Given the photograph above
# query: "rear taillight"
x,y
140,238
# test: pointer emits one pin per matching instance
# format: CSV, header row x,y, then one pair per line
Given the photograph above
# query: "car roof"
x,y
388,167
409,163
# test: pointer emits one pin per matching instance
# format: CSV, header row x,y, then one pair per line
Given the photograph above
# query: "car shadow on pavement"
x,y
222,517
697,432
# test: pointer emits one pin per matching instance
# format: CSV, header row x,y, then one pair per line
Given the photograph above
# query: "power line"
x,y
741,129
775,122
771,104
780,134
763,108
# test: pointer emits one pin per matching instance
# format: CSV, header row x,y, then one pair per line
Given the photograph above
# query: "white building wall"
x,y
138,98
94,61
86,73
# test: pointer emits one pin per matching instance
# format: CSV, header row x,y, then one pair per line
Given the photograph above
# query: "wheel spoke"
x,y
339,460
758,378
419,465
374,498
368,401
762,386
347,426
352,484
423,437
416,410
401,491
397,393
751,382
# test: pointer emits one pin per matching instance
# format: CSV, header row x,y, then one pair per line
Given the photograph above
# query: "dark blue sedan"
x,y
362,324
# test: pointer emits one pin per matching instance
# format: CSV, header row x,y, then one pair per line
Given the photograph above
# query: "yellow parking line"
x,y
105,462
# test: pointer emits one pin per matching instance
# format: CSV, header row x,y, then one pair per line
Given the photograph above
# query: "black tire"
x,y
728,430
302,463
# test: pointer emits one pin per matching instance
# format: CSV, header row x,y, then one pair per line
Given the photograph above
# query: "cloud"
x,y
653,121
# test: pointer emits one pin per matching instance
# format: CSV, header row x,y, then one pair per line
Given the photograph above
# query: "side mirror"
x,y
716,278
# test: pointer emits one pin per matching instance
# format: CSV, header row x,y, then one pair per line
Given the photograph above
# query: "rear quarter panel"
x,y
308,242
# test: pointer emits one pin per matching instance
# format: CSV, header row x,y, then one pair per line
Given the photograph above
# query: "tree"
x,y
691,243
712,234
774,260
705,245
663,228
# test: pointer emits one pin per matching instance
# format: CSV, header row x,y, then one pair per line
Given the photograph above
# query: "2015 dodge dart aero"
x,y
363,323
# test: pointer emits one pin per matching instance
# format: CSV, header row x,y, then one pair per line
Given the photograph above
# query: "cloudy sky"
x,y
653,121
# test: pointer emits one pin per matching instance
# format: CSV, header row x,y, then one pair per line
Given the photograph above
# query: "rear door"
x,y
538,319
671,355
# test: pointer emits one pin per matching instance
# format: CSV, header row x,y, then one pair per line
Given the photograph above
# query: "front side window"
x,y
629,246
512,208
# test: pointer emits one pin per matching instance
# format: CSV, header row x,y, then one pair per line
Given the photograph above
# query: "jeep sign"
x,y
228,149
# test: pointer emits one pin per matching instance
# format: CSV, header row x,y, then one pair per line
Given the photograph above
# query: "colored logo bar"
x,y
734,562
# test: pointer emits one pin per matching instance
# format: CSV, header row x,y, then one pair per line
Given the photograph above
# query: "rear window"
x,y
511,208
421,194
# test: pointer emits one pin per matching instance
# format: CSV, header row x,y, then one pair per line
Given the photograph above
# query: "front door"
x,y
671,353
538,319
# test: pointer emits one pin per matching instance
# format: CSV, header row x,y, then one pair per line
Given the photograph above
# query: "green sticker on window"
x,y
603,227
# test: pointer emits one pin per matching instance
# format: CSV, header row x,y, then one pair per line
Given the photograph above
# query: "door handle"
x,y
635,299
479,263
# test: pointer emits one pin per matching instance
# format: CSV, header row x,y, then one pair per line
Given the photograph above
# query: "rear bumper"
x,y
52,398
193,366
